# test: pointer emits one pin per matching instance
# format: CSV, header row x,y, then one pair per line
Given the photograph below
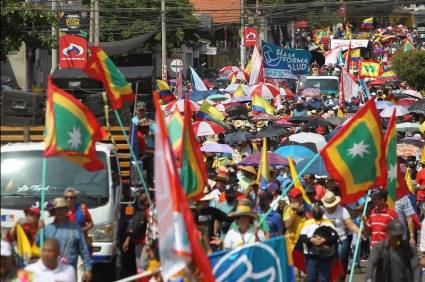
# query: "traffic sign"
x,y
176,65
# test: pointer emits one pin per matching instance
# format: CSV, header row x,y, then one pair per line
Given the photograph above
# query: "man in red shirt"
x,y
380,216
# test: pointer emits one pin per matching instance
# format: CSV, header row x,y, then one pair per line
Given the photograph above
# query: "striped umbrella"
x,y
232,88
204,128
179,105
228,69
265,90
406,102
240,75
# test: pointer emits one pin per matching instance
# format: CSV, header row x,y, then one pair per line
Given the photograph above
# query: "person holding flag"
x,y
294,216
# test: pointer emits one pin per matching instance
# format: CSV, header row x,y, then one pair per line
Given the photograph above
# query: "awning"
x,y
130,73
116,48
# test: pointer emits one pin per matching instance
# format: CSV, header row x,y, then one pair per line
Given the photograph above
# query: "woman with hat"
x,y
342,221
246,232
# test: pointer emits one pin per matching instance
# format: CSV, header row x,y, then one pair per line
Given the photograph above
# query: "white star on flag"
x,y
74,138
358,149
392,173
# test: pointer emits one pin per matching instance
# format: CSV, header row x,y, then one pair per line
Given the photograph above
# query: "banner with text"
x,y
284,63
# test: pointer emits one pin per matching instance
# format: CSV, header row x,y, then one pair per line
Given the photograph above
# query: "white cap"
x,y
6,249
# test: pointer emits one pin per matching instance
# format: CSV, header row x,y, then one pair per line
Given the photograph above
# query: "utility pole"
x,y
54,38
242,37
91,29
163,42
96,22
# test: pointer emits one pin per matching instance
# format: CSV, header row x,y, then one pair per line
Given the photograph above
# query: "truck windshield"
x,y
21,179
327,86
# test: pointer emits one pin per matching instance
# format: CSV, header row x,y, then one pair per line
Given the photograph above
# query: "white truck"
x,y
328,85
21,185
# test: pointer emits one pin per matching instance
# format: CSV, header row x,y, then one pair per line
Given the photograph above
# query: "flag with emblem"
x,y
175,133
71,129
100,67
355,155
193,172
407,45
391,155
370,69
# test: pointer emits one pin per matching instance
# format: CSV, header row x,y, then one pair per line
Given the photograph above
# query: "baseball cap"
x,y
6,249
141,106
395,227
33,210
294,192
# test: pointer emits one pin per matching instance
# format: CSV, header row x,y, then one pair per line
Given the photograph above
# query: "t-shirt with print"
x,y
338,217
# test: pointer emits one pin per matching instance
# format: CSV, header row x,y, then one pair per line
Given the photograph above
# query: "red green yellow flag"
x,y
354,157
193,172
391,164
71,129
100,67
175,133
407,46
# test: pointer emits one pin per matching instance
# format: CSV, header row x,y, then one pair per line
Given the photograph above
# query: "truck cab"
x,y
328,85
21,186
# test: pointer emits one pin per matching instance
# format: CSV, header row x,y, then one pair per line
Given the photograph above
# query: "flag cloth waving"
x,y
164,91
23,245
263,175
355,155
100,67
391,168
297,183
71,129
261,105
193,172
179,241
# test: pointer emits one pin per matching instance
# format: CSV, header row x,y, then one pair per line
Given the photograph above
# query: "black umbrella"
x,y
237,137
236,111
270,131
314,123
299,119
418,107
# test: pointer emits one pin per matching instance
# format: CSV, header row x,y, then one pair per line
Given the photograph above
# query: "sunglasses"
x,y
69,197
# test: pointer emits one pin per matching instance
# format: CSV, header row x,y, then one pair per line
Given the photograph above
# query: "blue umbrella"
x,y
296,152
317,167
197,96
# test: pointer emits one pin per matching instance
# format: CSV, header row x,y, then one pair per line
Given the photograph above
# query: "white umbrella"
x,y
413,93
400,111
309,137
380,105
232,88
217,148
408,127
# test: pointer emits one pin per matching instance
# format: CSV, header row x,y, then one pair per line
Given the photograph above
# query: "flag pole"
x,y
43,197
359,236
139,171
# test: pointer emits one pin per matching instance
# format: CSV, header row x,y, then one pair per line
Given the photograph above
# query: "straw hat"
x,y
261,123
249,169
238,123
243,210
59,203
329,200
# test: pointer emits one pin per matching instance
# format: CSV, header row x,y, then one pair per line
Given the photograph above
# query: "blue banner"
x,y
284,63
260,261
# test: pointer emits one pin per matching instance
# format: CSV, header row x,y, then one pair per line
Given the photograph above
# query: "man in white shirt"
x,y
48,268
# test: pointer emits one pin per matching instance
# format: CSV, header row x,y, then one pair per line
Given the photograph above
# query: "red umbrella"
x,y
228,69
241,75
179,105
265,90
406,102
203,128
377,82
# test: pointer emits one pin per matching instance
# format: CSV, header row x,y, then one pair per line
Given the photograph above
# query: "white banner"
x,y
355,43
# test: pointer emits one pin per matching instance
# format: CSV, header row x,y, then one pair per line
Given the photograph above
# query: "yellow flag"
x,y
422,127
248,67
297,183
233,79
422,159
263,174
239,91
22,242
340,113
408,180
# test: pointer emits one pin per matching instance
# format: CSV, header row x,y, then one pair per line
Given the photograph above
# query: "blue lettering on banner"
x,y
284,63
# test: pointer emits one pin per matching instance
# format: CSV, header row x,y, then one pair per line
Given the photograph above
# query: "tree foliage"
x,y
123,19
410,67
24,22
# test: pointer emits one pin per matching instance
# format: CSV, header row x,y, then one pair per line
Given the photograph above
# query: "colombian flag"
x,y
193,173
24,249
263,175
100,67
209,112
71,129
297,183
164,91
259,104
355,156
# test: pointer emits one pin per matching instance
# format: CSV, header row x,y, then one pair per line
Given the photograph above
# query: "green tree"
x,y
410,67
123,19
24,22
